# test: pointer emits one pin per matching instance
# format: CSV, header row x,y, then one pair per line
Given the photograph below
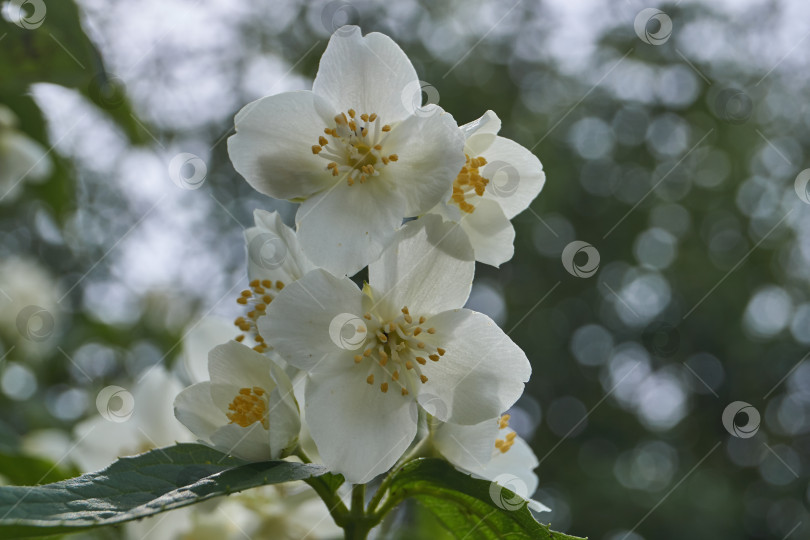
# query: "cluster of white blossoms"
x,y
369,372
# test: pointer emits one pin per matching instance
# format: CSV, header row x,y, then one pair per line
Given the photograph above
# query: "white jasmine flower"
x,y
493,451
247,409
275,259
152,424
22,159
357,150
410,343
499,180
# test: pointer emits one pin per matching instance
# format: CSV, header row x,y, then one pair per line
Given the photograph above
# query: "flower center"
x,y
256,299
249,406
506,443
469,183
354,147
397,352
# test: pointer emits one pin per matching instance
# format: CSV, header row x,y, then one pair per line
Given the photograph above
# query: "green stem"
x,y
359,524
337,509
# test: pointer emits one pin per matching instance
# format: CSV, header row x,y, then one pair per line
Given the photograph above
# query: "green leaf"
x,y
465,505
19,468
137,487
57,50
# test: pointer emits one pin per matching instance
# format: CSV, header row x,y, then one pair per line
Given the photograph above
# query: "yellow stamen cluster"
x,y
256,299
249,406
506,443
468,183
396,354
354,147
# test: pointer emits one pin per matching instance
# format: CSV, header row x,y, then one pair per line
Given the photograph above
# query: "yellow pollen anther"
x,y
386,128
367,353
422,320
420,345
417,331
247,294
434,357
247,407
440,351
421,360
408,364
384,387
322,141
395,376
370,379
241,300
372,117
267,283
316,149
367,316
255,283
431,330
405,310
504,421
364,117
404,391
279,285
358,358
511,436
240,338
423,378
393,157
382,337
352,113
260,307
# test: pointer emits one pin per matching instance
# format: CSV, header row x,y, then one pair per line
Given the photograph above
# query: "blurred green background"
x,y
673,137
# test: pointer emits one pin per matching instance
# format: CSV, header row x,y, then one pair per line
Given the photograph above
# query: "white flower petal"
x,y
482,373
284,418
430,151
273,250
467,447
272,147
488,124
490,232
195,409
299,322
345,228
203,336
515,176
360,431
233,366
153,396
370,74
429,267
249,443
518,461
